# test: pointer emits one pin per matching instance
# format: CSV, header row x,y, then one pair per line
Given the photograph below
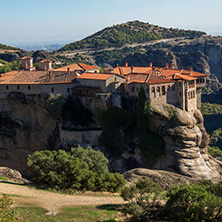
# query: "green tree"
x,y
193,202
142,198
78,169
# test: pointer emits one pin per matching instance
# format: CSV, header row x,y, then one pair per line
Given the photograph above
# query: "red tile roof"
x,y
76,66
45,61
26,57
95,76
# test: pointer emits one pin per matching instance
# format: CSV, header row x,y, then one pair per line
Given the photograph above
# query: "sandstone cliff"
x,y
186,141
25,127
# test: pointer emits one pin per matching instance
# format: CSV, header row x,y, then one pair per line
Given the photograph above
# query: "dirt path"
x,y
50,200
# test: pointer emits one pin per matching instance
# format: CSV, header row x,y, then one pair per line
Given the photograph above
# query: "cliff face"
x,y
186,141
25,127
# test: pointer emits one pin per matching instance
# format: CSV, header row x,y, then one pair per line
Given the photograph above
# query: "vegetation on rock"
x,y
6,213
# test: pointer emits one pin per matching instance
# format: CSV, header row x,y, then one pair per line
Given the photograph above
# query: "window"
x,y
133,90
180,84
17,87
168,88
163,90
180,94
29,87
137,89
158,90
52,90
7,87
68,90
153,91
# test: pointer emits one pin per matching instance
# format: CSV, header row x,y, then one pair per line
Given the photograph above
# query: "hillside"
x,y
128,33
5,47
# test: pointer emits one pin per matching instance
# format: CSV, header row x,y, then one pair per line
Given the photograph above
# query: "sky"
x,y
24,22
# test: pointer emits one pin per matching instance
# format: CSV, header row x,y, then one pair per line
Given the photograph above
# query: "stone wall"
x,y
80,137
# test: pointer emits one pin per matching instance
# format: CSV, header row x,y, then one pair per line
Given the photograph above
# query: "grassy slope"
x,y
130,32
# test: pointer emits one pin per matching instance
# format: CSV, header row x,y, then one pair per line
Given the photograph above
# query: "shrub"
x,y
78,169
194,202
6,213
141,197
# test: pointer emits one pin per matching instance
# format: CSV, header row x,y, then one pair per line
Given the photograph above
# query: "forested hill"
x,y
128,33
5,47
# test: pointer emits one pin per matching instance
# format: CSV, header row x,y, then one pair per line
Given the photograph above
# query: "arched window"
x,y
158,90
52,90
168,88
153,92
163,90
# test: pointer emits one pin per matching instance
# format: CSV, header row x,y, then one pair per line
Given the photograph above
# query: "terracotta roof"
x,y
87,67
147,79
122,70
96,76
193,73
24,76
26,57
184,77
45,61
76,66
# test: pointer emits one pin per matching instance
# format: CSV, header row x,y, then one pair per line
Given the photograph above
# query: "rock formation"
x,y
25,127
186,143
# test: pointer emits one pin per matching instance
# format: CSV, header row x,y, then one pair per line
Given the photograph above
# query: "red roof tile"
x,y
45,61
95,76
26,57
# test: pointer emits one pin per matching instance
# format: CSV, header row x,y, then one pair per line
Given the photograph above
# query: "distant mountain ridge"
x,y
128,33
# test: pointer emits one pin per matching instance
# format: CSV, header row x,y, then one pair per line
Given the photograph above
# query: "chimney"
x,y
45,64
150,64
68,69
172,66
132,69
27,63
126,64
166,65
117,65
190,71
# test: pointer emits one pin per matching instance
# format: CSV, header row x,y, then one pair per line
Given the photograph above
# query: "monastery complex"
x,y
178,87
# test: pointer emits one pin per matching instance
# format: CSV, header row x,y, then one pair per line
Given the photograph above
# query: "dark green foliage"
x,y
141,198
54,104
9,66
79,169
113,121
74,112
128,33
215,152
194,203
151,145
211,108
6,213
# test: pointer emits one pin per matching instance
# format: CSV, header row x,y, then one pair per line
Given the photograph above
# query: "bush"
x,y
141,197
194,202
6,213
79,169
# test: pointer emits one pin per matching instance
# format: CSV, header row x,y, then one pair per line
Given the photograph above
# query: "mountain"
x,y
5,47
128,33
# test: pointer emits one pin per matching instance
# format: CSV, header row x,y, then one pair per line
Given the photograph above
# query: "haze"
x,y
60,22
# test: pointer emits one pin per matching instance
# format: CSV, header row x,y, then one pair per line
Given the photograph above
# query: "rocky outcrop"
x,y
25,127
186,141
164,179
